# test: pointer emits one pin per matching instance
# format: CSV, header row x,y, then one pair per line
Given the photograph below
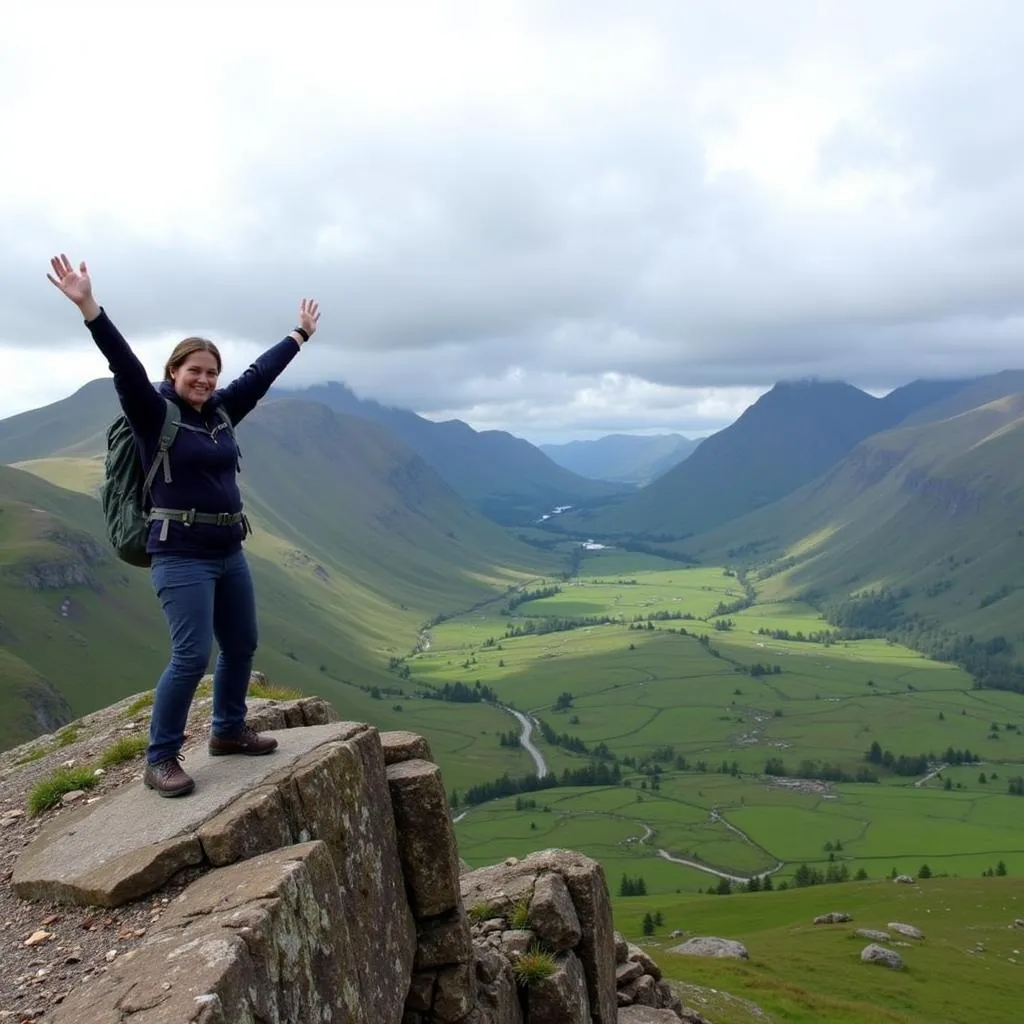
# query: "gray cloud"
x,y
502,221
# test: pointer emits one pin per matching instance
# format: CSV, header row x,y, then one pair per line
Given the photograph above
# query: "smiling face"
x,y
193,368
196,379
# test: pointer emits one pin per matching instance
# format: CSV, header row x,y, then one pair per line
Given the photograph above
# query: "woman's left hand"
x,y
309,315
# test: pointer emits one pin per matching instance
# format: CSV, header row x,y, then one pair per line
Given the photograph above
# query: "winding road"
x,y
525,742
526,724
665,855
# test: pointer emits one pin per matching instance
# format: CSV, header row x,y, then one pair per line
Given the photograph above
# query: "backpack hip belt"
x,y
190,516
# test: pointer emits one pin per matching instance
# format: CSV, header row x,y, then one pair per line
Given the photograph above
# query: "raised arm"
x,y
242,394
139,400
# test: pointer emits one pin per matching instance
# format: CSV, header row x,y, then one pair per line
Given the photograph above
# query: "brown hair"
x,y
186,348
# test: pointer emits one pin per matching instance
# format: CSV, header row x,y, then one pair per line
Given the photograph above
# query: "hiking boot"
x,y
168,778
248,741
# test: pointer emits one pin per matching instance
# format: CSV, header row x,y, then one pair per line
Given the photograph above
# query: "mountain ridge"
x,y
504,476
623,458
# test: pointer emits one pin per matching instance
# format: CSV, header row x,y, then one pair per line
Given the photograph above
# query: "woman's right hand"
x,y
75,284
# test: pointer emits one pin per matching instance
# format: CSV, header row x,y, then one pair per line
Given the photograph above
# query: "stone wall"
x,y
329,889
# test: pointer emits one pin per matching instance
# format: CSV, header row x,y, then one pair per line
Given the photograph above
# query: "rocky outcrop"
x,y
326,885
639,981
497,893
268,939
908,931
53,574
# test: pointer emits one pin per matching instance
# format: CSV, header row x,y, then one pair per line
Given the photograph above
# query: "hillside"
x,y
623,458
932,511
349,494
969,395
508,479
75,425
786,438
357,543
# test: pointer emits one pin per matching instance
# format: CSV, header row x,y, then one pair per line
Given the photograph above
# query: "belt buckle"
x,y
223,518
189,517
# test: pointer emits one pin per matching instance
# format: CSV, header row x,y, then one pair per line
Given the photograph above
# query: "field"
x,y
968,968
715,725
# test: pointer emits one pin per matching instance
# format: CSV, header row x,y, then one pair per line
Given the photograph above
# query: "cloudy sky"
x,y
561,218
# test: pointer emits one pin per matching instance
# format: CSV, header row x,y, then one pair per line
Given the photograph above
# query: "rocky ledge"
x,y
324,883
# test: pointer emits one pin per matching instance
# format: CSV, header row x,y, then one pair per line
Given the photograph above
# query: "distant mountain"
x,y
909,399
787,437
357,544
74,425
622,458
969,395
932,511
505,477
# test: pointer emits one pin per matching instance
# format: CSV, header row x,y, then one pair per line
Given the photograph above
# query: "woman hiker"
x,y
198,568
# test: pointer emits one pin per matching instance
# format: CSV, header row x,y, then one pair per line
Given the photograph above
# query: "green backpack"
x,y
124,493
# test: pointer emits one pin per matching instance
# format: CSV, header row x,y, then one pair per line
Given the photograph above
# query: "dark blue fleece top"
x,y
204,464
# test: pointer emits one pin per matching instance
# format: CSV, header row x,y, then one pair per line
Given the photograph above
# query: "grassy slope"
x,y
935,507
806,974
357,543
31,704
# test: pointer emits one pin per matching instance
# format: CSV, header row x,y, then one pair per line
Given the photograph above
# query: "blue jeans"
x,y
202,598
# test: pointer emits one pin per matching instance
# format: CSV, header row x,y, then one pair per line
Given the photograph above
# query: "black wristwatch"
x,y
300,331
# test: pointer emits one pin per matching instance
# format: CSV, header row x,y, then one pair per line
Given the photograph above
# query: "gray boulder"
x,y
906,930
872,935
552,915
875,954
561,998
833,918
711,946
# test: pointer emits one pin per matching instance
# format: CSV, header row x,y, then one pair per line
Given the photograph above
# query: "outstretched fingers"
x,y
61,267
311,308
58,269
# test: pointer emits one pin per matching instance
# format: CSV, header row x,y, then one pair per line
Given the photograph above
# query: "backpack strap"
x,y
168,432
230,428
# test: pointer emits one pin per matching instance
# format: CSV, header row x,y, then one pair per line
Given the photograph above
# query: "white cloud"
x,y
541,217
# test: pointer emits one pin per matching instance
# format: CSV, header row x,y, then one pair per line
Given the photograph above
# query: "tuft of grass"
x,y
139,704
33,755
520,916
47,792
268,691
123,750
68,735
480,912
534,965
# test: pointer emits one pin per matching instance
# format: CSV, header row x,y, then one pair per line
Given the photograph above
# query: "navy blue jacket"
x,y
204,466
